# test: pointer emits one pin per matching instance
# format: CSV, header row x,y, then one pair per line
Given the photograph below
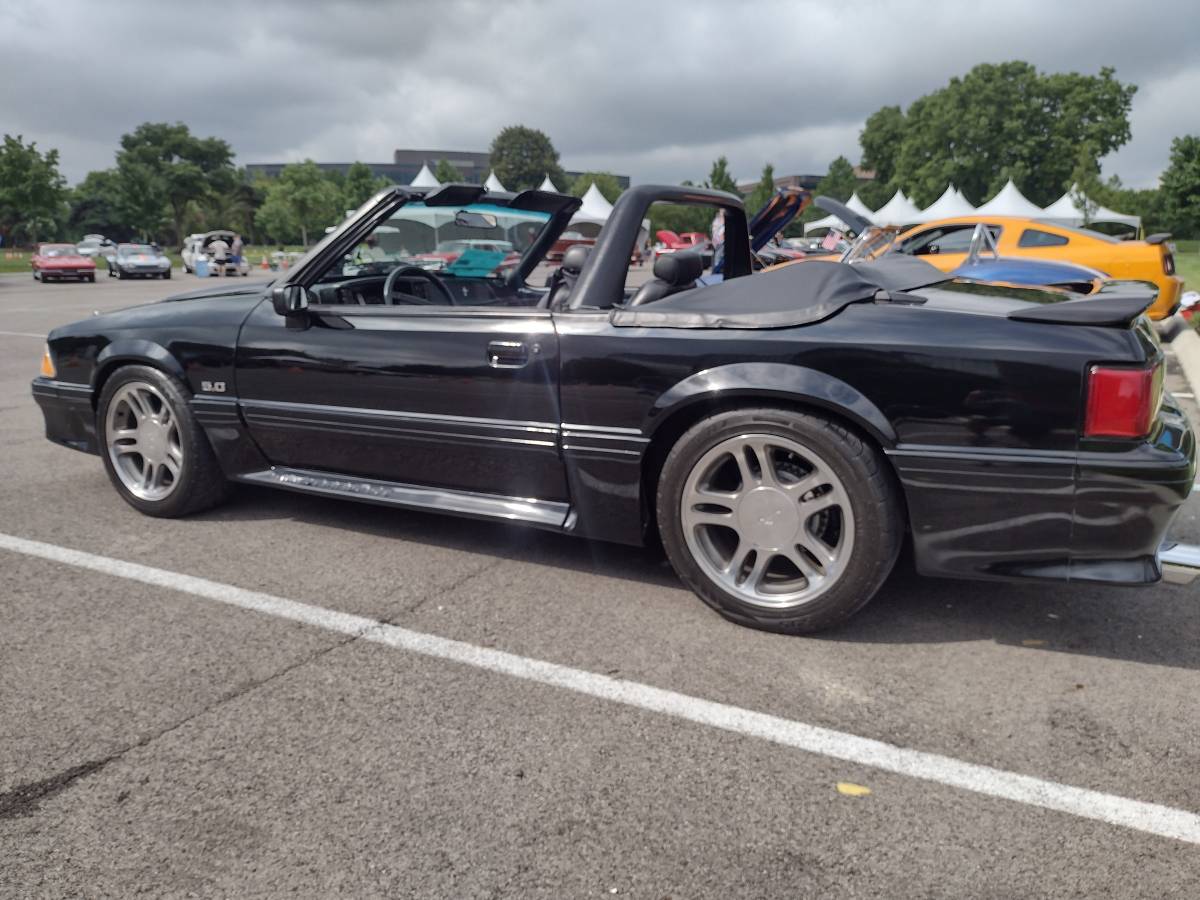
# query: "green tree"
x,y
446,173
1000,121
32,191
360,185
875,193
521,157
175,169
839,183
96,206
763,191
1181,187
606,183
300,201
720,178
880,140
1084,183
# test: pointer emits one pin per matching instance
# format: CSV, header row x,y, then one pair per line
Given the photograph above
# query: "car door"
x,y
464,398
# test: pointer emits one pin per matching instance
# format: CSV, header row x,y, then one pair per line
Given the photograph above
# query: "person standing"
x,y
235,251
218,250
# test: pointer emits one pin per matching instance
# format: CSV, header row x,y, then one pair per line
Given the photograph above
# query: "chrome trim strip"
x,y
980,454
546,513
393,414
623,432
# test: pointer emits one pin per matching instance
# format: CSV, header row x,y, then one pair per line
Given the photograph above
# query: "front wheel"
x,y
156,455
167,274
779,520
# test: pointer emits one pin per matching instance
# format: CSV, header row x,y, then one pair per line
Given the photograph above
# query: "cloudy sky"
x,y
655,90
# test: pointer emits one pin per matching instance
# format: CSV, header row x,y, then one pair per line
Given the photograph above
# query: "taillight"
x,y
1122,403
1169,263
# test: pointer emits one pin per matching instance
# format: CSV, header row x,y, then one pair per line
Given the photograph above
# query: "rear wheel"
x,y
155,452
779,520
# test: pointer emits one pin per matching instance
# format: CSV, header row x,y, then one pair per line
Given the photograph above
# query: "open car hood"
x,y
776,215
857,223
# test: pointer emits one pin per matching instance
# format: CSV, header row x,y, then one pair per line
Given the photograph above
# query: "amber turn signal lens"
x,y
48,364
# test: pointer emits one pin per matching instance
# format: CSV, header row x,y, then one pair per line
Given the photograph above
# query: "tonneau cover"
x,y
796,294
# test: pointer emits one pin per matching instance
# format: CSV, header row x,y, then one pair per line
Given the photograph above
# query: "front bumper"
x,y
68,412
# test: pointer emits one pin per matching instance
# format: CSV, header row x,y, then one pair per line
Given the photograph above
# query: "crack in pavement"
x,y
24,799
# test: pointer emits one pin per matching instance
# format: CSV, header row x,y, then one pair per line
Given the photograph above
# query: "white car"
x,y
195,246
96,245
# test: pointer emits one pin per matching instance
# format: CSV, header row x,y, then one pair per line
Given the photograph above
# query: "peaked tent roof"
x,y
1010,202
897,211
855,204
425,179
493,183
1064,210
951,203
595,208
548,185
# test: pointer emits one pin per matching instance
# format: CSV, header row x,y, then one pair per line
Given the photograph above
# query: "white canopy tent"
x,y
592,214
425,179
1064,211
897,211
548,185
493,183
952,203
1010,202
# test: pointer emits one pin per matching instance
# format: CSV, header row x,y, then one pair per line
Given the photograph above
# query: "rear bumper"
x,y
67,410
1091,516
1170,295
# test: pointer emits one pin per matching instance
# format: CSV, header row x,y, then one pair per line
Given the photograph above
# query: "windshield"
x,y
134,249
873,243
59,250
475,241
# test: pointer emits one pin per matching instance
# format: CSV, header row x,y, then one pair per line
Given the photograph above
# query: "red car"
x,y
669,241
55,262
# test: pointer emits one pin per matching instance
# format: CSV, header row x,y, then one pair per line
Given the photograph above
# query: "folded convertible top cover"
x,y
796,294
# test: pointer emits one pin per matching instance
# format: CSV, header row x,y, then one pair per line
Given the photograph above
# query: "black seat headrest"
x,y
575,256
679,269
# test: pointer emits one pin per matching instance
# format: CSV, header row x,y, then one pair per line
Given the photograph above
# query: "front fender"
x,y
780,381
135,350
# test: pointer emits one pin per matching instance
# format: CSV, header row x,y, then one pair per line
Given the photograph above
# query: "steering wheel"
x,y
415,272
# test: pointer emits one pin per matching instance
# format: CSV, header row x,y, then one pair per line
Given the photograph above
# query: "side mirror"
x,y
289,299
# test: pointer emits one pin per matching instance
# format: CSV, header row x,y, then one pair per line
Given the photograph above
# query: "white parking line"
x,y
41,337
1151,818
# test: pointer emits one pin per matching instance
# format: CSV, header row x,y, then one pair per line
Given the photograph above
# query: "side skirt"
x,y
542,513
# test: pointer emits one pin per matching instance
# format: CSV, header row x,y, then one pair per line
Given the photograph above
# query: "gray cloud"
x,y
652,90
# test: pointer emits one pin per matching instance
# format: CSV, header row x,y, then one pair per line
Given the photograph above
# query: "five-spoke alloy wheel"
x,y
142,437
156,454
768,519
779,519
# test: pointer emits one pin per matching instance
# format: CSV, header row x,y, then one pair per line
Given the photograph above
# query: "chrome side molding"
x,y
543,513
1180,563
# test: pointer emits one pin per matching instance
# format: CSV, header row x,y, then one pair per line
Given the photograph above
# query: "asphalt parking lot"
x,y
163,736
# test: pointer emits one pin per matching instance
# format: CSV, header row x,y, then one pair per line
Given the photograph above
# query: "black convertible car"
x,y
782,433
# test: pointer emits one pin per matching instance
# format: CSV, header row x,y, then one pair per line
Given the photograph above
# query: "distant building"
x,y
473,166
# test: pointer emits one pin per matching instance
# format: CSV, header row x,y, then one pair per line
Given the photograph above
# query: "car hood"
x,y
776,214
217,292
61,261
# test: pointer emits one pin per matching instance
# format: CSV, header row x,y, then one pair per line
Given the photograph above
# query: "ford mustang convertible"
x,y
782,433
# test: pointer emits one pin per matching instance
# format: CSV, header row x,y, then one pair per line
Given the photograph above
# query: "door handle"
x,y
507,354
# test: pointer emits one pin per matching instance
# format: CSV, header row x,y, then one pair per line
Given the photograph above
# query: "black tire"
x,y
120,274
167,274
874,499
92,278
201,483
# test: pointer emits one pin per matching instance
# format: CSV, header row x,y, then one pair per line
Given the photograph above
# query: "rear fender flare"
x,y
763,381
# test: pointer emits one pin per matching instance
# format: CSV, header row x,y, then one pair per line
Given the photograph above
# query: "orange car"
x,y
945,242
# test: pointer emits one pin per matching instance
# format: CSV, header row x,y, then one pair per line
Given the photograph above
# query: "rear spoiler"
x,y
1159,238
1111,310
